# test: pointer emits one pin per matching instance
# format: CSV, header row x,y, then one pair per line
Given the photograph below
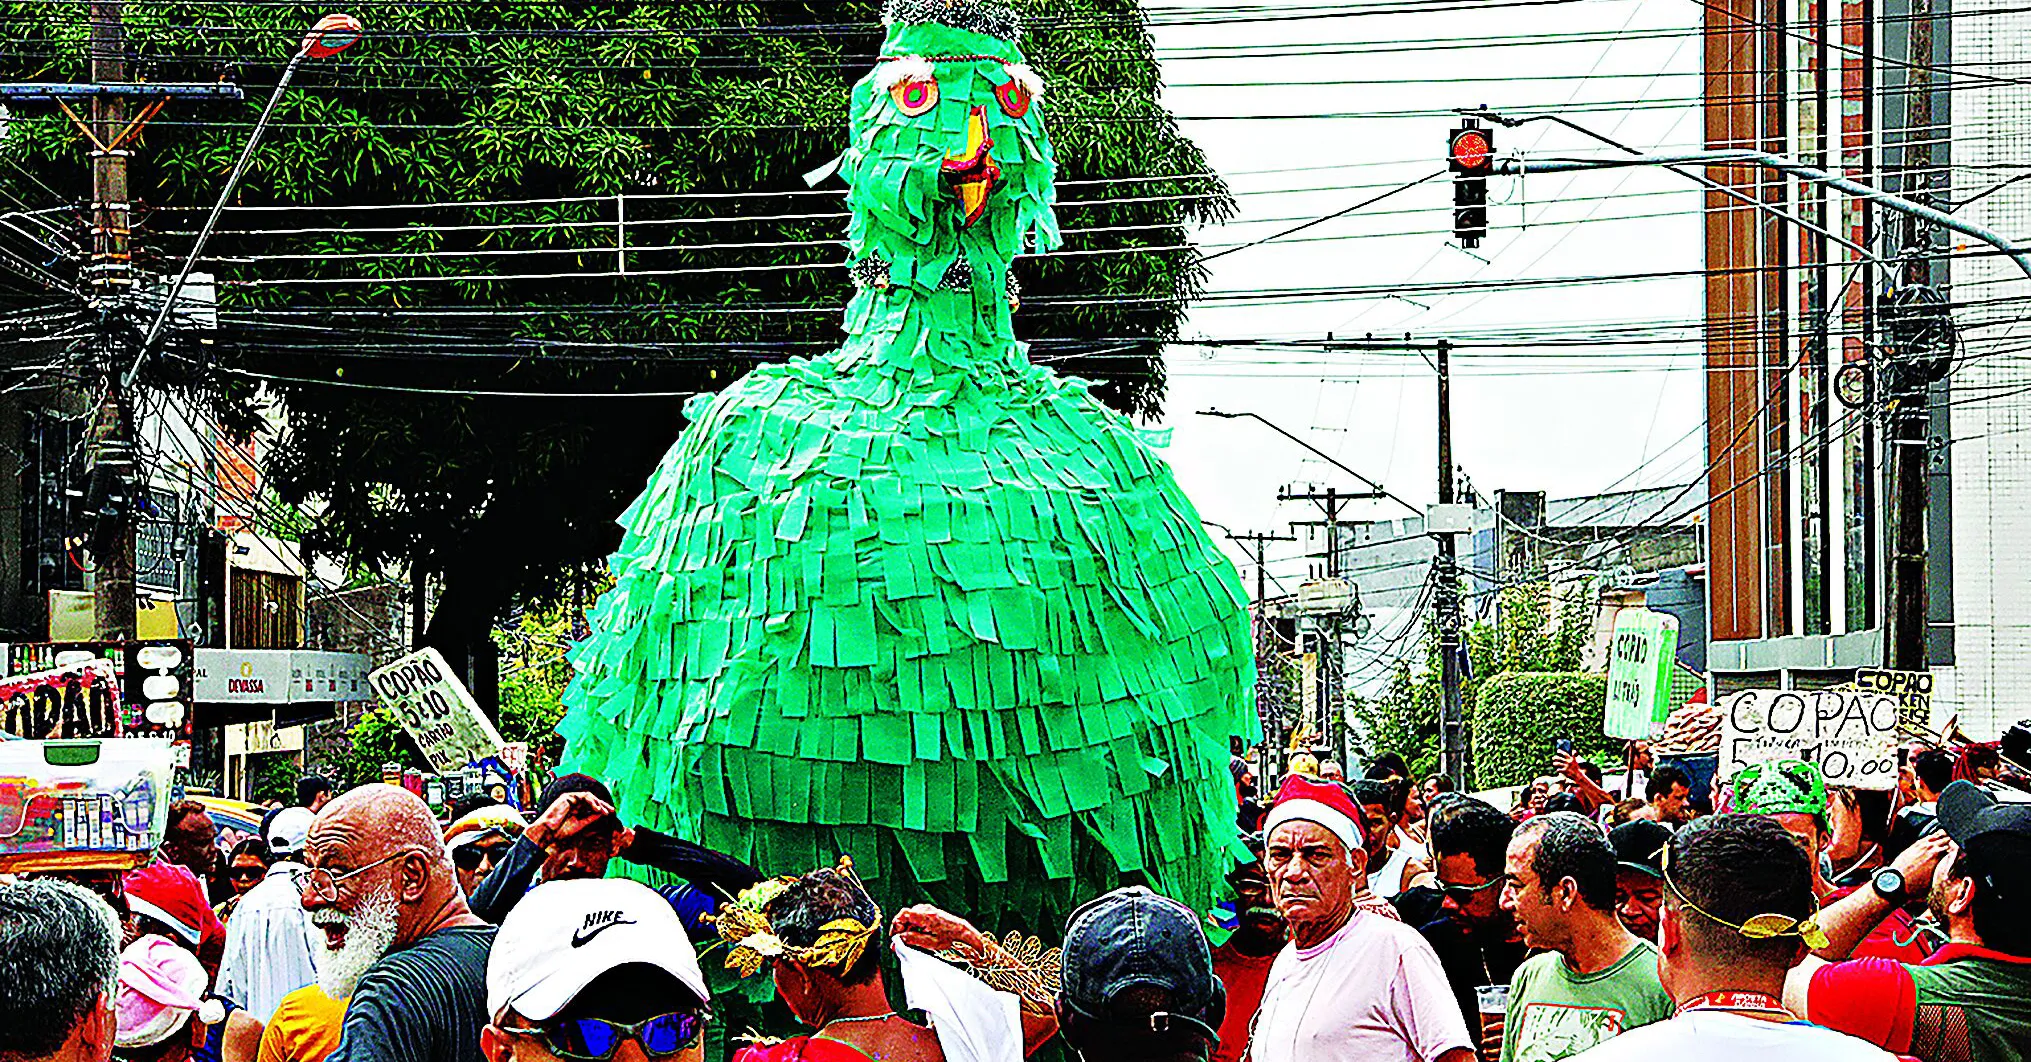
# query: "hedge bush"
x,y
1520,715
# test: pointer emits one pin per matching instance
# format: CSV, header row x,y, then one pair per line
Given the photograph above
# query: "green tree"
x,y
535,670
1538,630
546,112
1519,716
378,739
272,776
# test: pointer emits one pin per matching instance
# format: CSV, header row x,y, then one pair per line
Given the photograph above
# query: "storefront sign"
x,y
80,700
242,676
436,709
1639,673
281,676
322,676
1850,734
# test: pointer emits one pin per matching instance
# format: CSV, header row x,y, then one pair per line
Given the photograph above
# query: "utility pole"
x,y
1260,556
1908,416
111,127
1921,334
111,278
1452,727
1329,627
1266,704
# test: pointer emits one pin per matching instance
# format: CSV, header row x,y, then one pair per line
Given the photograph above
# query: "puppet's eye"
x,y
914,96
1015,99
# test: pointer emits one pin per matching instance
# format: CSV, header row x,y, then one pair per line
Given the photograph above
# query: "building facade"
x,y
1798,277
1989,423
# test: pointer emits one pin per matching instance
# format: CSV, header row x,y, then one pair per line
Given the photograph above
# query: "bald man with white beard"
x,y
398,936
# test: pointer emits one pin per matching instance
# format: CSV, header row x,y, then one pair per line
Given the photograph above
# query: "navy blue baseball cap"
x,y
1133,938
1996,834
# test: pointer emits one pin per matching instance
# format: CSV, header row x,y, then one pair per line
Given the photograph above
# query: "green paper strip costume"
x,y
918,600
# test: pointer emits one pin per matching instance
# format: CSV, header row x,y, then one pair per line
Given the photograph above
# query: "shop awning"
x,y
289,686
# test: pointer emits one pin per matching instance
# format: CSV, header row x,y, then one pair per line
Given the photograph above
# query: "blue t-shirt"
x,y
215,1039
424,1003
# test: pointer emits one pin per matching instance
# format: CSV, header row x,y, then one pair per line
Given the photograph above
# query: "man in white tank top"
x,y
1392,865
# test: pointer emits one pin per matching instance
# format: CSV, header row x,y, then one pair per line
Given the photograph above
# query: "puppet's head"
x,y
950,169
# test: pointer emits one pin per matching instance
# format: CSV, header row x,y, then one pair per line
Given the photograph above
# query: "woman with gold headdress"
x,y
822,938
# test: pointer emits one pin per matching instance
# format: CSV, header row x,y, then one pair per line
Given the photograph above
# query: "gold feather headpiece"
x,y
744,924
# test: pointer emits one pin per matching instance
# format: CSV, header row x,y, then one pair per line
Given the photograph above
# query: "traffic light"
x,y
1470,154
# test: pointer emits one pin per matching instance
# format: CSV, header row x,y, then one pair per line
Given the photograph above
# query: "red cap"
x,y
170,894
1315,800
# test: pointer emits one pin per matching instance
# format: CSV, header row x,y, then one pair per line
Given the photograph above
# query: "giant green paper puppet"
x,y
919,600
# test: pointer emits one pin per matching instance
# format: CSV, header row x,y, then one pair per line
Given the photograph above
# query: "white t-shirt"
x,y
270,944
1372,992
1718,1036
1387,880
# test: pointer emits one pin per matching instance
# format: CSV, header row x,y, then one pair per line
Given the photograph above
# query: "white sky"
x,y
1573,425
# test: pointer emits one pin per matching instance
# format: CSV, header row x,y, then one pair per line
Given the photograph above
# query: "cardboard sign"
x,y
1850,734
1639,673
1913,690
436,709
75,701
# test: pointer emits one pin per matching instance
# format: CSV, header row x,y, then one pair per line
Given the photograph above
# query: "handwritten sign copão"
x,y
437,710
1850,734
1913,690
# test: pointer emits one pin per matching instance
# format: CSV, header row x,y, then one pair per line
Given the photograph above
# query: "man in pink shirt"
x,y
1351,985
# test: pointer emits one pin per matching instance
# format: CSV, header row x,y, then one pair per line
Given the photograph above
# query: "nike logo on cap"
x,y
596,923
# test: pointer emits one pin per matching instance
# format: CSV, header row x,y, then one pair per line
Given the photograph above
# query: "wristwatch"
x,y
1889,884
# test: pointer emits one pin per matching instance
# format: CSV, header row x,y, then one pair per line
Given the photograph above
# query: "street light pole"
x,y
2016,252
114,597
332,35
1380,491
1905,646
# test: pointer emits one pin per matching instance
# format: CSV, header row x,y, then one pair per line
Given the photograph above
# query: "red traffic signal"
x,y
1471,149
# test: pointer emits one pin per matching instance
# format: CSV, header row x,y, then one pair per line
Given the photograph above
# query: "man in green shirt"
x,y
1970,1001
1593,979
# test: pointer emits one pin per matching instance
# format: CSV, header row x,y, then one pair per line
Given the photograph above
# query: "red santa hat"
x,y
171,894
1314,800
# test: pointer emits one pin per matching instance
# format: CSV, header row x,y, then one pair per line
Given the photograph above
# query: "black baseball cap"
x,y
1639,845
2016,744
1996,834
1133,938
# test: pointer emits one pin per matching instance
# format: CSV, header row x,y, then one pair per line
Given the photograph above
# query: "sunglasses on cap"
x,y
1464,894
596,1039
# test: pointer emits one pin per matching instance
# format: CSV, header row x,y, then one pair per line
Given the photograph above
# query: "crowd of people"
x,y
1382,919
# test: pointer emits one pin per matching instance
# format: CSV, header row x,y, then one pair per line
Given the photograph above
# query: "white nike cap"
x,y
564,934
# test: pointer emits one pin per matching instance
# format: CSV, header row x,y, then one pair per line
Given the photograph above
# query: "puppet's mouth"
x,y
973,173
